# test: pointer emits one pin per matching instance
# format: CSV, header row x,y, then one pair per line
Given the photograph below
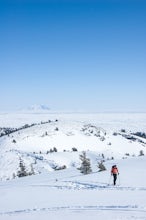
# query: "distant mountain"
x,y
37,109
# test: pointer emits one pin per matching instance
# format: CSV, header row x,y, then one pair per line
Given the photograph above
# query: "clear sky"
x,y
73,55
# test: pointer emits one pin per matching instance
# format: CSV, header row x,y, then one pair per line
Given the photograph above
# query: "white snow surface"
x,y
68,194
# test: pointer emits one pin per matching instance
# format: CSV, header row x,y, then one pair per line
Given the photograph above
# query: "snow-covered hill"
x,y
52,141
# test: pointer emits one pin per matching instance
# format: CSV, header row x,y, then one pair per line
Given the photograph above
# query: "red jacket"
x,y
114,170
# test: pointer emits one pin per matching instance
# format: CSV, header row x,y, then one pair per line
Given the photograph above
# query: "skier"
x,y
114,173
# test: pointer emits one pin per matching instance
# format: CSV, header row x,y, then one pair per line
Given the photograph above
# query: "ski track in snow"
x,y
128,208
76,185
79,185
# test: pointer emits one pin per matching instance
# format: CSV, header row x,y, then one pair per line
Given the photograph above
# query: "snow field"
x,y
68,193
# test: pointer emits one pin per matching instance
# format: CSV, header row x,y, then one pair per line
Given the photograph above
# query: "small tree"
x,y
101,166
31,170
22,172
85,164
141,153
54,149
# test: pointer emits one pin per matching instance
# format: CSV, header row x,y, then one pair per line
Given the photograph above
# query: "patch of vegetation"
x,y
101,166
140,134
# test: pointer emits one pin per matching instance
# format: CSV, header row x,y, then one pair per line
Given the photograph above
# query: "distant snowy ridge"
x,y
36,109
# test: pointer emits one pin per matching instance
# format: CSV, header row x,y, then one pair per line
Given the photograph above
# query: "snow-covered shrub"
x,y
52,150
90,129
74,149
115,134
102,138
14,141
60,167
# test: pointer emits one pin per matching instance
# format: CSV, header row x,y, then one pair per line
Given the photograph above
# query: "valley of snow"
x,y
46,143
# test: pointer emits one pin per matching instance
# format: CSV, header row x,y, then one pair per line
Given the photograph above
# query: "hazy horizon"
x,y
28,109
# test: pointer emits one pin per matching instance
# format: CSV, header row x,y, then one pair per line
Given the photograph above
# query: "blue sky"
x,y
73,55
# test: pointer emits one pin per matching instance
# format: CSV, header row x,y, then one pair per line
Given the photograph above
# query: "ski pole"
x,y
119,179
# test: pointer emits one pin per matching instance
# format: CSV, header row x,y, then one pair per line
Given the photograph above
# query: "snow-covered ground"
x,y
68,194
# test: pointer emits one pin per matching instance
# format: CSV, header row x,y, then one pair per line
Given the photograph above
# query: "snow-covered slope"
x,y
56,140
67,194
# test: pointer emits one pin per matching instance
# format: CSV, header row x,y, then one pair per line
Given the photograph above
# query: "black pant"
x,y
115,178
